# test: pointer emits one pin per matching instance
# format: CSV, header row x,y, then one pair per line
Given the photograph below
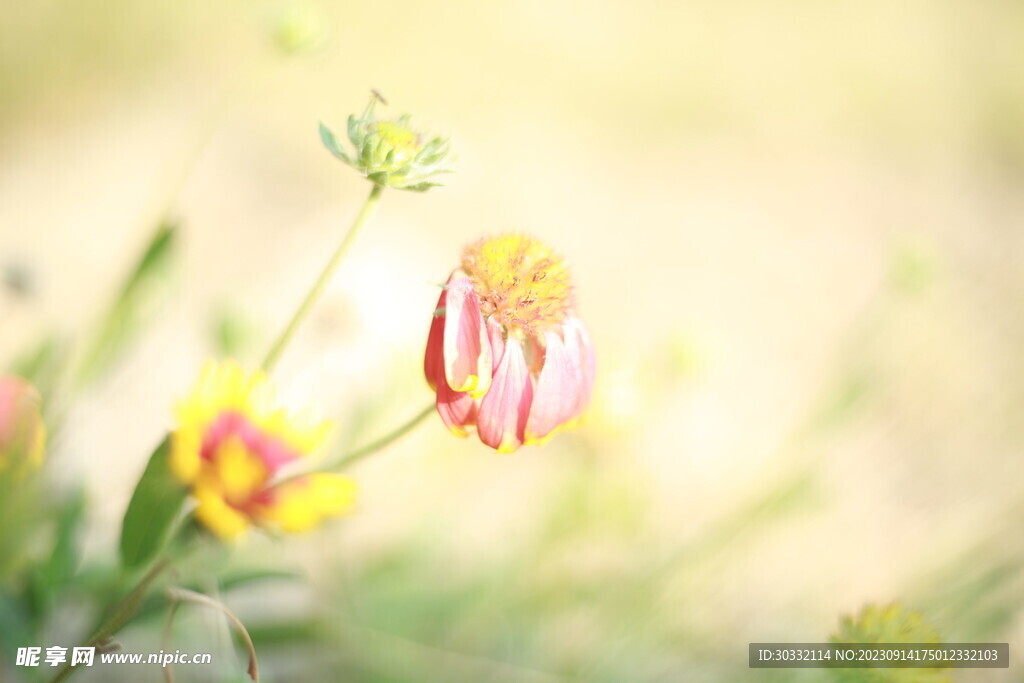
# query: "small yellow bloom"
x,y
233,439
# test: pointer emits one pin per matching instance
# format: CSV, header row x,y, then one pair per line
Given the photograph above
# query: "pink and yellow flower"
x,y
233,440
22,433
506,353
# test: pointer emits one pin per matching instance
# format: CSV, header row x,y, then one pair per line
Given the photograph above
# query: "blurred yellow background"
x,y
796,234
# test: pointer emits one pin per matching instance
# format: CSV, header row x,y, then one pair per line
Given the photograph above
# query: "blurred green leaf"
x,y
977,596
152,511
16,625
129,311
302,632
21,499
66,552
43,364
52,575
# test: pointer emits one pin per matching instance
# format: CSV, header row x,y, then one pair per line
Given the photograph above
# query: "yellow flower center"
x,y
403,142
520,280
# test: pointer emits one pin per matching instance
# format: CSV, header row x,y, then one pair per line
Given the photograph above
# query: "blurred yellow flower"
x,y
505,352
22,432
231,442
887,624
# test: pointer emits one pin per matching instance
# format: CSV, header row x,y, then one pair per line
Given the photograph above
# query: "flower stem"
x,y
318,287
360,453
177,594
121,614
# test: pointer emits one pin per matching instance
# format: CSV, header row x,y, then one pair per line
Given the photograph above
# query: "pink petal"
x,y
506,406
274,452
581,353
589,367
456,408
558,391
496,336
467,355
433,359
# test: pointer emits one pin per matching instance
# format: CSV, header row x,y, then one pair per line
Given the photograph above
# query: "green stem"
x,y
318,287
358,454
122,613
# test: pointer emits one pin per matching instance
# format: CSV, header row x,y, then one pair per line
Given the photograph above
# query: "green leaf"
x,y
36,361
47,581
152,511
53,576
421,187
16,623
157,252
331,143
21,500
43,364
300,633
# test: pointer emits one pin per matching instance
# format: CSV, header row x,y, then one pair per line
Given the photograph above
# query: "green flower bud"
x,y
390,152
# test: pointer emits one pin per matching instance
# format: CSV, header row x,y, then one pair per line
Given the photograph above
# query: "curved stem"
x,y
371,448
166,641
178,594
318,287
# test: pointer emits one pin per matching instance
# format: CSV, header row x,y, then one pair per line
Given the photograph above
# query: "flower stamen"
x,y
519,280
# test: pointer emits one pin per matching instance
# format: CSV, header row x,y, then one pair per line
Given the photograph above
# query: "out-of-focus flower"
x,y
887,624
390,152
22,432
231,442
299,29
505,352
